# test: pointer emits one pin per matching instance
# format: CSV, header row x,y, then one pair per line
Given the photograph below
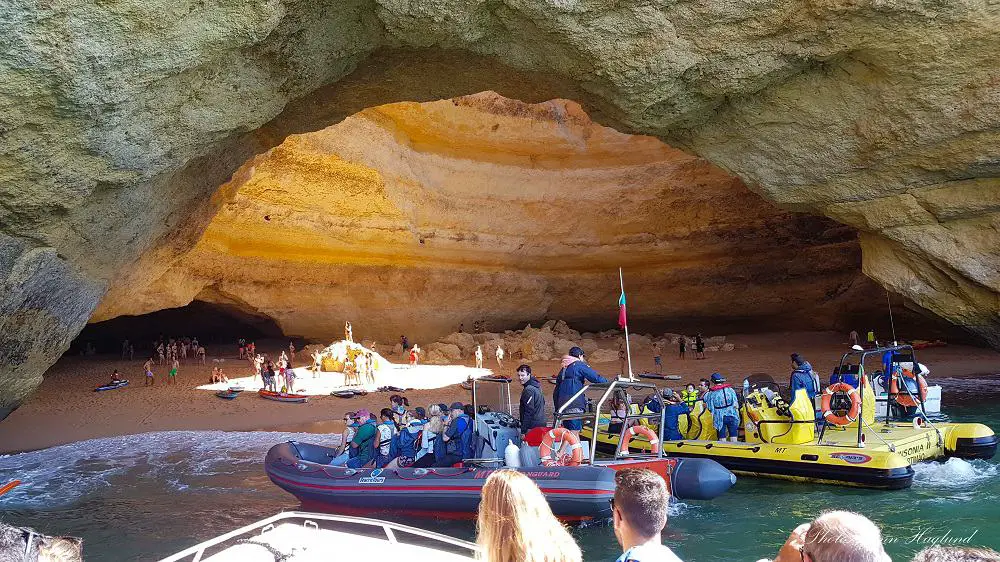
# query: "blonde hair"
x,y
515,523
433,410
435,425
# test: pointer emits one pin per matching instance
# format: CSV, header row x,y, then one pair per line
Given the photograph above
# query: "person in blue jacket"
x,y
673,407
570,380
722,401
803,376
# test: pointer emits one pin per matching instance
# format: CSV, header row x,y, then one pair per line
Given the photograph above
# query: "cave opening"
x,y
210,323
416,217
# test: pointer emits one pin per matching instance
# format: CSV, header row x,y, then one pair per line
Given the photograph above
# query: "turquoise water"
x,y
146,496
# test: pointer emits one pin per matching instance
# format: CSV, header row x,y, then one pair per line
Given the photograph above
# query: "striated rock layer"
x,y
120,120
415,217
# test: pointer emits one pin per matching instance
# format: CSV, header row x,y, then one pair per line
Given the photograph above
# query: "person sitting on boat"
x,y
639,514
673,407
398,404
116,378
569,381
856,538
690,396
350,428
457,437
362,447
703,388
432,448
532,405
619,411
803,376
386,431
723,403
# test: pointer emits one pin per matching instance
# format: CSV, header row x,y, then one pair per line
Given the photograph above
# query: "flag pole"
x,y
628,350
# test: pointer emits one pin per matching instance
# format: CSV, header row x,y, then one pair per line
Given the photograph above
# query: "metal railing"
x,y
309,521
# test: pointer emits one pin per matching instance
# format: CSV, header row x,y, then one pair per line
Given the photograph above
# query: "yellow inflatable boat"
x,y
782,441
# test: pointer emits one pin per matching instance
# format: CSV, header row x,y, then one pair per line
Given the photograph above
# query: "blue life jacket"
x,y
405,444
671,424
461,444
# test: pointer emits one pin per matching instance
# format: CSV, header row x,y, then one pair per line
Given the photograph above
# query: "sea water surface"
x,y
143,497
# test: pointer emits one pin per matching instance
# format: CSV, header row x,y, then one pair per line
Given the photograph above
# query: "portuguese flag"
x,y
621,311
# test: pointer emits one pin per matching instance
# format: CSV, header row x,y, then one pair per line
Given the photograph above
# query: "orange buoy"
x,y
564,435
852,414
654,442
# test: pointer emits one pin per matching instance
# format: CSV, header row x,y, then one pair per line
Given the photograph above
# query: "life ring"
x,y
654,442
565,436
905,398
852,414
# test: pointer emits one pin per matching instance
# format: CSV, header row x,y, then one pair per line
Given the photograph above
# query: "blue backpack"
x,y
465,438
405,444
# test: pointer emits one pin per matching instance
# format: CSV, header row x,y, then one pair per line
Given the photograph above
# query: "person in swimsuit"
x,y
148,368
172,376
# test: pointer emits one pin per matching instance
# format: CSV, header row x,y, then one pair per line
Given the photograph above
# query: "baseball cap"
x,y
363,414
457,406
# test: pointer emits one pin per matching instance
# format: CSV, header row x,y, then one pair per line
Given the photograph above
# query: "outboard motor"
x,y
700,479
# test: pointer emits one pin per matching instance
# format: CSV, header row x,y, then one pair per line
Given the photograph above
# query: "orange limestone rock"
x,y
414,217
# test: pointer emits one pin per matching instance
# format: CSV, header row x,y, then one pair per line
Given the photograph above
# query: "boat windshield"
x,y
492,394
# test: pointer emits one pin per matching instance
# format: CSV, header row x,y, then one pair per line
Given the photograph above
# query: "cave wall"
x,y
120,120
415,217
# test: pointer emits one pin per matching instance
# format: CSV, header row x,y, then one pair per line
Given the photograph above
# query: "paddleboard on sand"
x,y
227,394
111,386
660,377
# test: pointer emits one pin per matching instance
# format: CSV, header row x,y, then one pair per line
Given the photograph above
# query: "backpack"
x,y
405,444
463,442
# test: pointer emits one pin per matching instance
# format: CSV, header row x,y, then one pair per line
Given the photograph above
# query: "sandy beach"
x,y
65,408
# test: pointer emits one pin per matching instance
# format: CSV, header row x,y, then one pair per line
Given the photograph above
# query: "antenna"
x,y
891,322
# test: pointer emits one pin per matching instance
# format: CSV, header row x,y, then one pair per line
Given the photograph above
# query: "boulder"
x,y
465,342
728,347
448,351
602,356
588,345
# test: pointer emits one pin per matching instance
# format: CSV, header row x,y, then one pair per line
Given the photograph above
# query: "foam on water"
x,y
953,474
64,474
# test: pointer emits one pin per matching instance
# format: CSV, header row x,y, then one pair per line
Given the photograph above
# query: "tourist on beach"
x,y
291,352
160,352
405,343
348,331
835,536
243,347
317,365
699,347
682,347
147,368
386,431
532,406
515,523
940,553
658,357
131,351
172,375
639,515
361,450
125,346
201,354
499,357
115,377
479,357
690,396
290,377
853,338
721,400
414,355
457,437
803,376
872,342
569,381
270,377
